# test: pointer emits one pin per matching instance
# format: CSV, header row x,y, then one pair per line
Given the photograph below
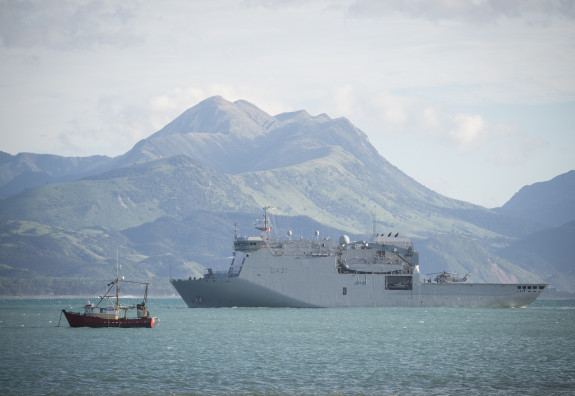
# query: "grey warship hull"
x,y
320,273
240,293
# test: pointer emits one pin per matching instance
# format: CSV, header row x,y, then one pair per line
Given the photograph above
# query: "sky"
x,y
473,99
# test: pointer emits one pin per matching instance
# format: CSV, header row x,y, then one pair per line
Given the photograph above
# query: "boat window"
x,y
345,291
541,287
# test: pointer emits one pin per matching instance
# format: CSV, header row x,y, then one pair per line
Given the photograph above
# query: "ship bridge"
x,y
390,240
247,244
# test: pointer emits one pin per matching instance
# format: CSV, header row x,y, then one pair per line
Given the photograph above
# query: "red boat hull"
x,y
81,320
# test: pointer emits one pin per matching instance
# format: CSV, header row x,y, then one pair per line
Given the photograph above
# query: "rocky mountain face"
x,y
549,252
550,203
171,202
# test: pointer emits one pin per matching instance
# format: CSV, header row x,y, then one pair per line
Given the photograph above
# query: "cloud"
x,y
467,130
119,121
389,111
430,117
66,24
386,117
110,129
510,146
476,11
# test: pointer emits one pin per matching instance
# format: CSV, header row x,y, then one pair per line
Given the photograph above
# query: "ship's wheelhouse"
x,y
248,244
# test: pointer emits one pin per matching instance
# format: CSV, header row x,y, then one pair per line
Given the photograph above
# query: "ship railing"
x,y
209,274
300,244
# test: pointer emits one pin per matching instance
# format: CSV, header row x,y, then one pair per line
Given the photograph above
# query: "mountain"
x,y
128,196
170,202
550,203
25,180
215,132
28,170
238,137
549,252
312,165
457,253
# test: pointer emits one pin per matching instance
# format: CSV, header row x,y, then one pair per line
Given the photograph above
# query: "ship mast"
x,y
265,227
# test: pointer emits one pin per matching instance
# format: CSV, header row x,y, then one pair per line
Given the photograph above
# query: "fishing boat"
x,y
110,312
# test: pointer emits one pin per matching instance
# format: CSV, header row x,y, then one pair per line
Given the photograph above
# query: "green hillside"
x,y
127,196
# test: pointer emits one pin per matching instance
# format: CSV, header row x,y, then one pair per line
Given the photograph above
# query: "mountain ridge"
x,y
550,203
28,170
222,161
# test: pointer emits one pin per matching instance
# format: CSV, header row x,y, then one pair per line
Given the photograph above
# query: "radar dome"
x,y
343,240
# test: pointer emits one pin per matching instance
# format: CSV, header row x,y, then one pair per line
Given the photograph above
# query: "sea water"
x,y
283,351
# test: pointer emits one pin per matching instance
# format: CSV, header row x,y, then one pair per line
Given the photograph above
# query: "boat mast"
x,y
265,227
146,293
117,280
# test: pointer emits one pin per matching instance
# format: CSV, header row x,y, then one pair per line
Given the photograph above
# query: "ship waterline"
x,y
267,272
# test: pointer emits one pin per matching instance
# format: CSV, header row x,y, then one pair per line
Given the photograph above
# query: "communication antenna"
x,y
374,230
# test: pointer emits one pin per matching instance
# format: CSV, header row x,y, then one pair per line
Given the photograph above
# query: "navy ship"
x,y
306,273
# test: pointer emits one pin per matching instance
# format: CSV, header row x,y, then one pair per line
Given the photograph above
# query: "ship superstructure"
x,y
270,272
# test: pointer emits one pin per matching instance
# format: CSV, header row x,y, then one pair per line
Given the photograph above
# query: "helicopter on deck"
x,y
448,277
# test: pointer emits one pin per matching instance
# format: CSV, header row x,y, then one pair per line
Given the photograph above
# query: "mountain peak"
x,y
549,202
555,191
254,112
215,115
235,137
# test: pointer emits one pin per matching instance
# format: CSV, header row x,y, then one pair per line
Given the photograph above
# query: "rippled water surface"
x,y
348,351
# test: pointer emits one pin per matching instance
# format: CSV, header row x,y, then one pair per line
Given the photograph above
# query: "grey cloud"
x,y
66,24
478,11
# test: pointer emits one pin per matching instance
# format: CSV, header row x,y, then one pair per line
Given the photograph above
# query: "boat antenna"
x,y
374,230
